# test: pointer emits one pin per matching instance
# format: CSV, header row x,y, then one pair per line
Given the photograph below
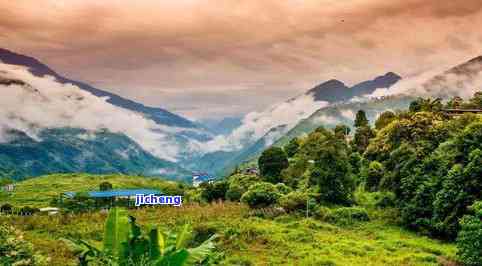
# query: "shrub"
x,y
283,189
374,175
14,250
385,199
348,215
322,213
235,191
104,186
293,201
214,191
261,194
238,185
469,240
124,243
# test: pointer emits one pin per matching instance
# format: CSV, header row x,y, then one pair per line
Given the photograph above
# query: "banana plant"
x,y
125,244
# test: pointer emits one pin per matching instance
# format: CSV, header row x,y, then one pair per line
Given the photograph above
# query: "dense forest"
x,y
425,161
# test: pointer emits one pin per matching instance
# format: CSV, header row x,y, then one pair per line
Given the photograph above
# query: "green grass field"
x,y
243,239
38,192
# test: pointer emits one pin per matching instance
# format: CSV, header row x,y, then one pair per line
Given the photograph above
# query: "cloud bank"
x,y
161,52
256,124
44,103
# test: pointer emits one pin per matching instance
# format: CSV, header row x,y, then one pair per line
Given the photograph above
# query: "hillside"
x,y
344,113
38,192
75,150
39,69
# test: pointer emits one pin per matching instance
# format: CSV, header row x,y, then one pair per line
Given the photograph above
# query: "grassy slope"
x,y
286,240
38,192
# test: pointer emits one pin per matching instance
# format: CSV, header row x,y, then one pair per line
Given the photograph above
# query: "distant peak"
x,y
332,82
391,74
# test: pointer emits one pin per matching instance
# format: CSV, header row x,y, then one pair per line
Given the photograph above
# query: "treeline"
x,y
423,161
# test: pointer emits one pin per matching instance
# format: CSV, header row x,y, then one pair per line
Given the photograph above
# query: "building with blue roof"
x,y
110,196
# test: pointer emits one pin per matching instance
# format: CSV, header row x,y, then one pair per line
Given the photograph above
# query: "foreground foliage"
x,y
245,240
125,244
14,250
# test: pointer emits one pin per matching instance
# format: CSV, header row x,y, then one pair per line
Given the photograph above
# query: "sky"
x,y
218,58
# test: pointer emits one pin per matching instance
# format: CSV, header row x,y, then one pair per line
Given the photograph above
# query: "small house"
x,y
198,178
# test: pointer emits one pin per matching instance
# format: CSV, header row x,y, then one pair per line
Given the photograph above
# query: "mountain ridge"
x,y
40,69
334,90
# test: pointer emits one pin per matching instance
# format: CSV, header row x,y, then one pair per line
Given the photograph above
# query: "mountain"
x,y
224,126
285,116
43,123
462,80
69,150
344,113
159,115
335,90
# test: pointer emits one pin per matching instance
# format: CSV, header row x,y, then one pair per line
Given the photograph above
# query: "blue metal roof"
x,y
116,193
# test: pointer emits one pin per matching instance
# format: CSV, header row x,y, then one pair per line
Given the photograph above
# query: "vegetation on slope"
x,y
39,192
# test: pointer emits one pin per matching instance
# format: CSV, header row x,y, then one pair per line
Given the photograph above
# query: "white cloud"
x,y
256,124
348,114
45,103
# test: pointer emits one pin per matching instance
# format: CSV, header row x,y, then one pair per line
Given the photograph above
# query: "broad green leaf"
x,y
156,243
177,258
116,231
183,236
198,254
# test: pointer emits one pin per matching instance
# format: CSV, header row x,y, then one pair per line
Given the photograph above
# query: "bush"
x,y
261,194
238,185
374,175
104,186
293,201
385,199
14,250
322,213
347,215
235,192
469,240
214,191
283,189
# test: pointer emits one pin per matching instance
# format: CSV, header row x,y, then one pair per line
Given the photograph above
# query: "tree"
x,y
342,131
214,191
384,119
332,173
272,161
361,119
104,186
292,147
469,240
362,137
261,194
375,174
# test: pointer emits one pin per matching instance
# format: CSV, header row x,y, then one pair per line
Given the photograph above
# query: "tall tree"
x,y
292,147
272,161
361,119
